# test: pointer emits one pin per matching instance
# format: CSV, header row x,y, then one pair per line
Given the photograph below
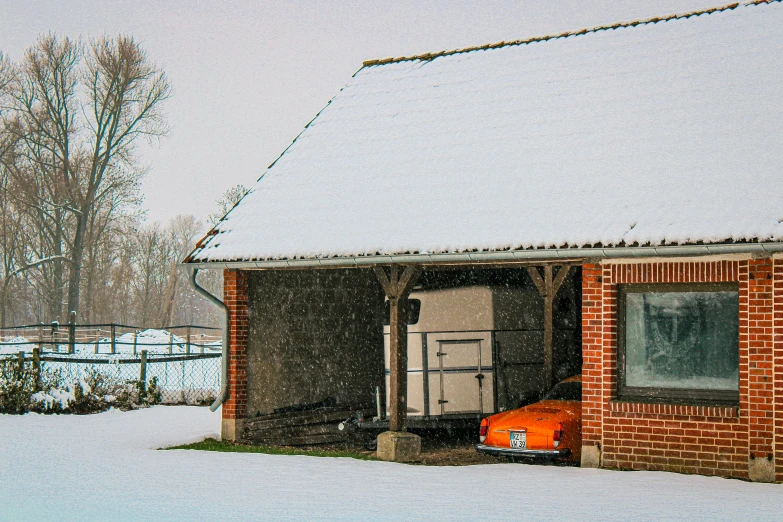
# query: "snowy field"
x,y
106,467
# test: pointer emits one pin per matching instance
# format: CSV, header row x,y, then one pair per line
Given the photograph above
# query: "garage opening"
x,y
318,351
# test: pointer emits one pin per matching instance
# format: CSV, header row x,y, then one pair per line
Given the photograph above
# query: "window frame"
x,y
668,395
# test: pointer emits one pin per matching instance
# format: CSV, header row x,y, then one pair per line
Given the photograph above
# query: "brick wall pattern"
x,y
235,296
687,438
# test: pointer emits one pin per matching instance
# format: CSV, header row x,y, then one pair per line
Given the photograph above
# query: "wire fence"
x,y
179,379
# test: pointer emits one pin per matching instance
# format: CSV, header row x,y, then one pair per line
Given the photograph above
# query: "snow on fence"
x,y
109,339
182,362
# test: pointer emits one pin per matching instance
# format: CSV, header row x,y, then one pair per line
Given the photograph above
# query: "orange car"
x,y
550,428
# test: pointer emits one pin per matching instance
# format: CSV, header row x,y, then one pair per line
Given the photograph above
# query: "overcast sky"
x,y
248,76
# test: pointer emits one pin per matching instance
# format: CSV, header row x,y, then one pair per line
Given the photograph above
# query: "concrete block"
x,y
761,469
591,456
399,446
231,429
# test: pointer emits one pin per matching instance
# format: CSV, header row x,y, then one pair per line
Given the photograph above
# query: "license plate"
x,y
518,439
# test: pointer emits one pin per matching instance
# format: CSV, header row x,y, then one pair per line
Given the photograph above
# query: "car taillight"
x,y
558,436
483,429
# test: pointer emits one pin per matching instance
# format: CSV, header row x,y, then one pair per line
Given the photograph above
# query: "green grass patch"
x,y
219,445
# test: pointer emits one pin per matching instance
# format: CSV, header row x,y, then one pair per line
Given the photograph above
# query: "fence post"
x,y
40,337
143,372
20,355
113,335
135,337
171,341
72,333
37,367
187,337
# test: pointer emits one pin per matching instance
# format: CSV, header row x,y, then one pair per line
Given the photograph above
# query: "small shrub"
x,y
206,400
94,393
23,389
154,394
18,383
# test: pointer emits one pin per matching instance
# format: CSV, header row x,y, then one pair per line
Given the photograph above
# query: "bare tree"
x,y
16,249
182,233
82,110
70,233
151,274
227,201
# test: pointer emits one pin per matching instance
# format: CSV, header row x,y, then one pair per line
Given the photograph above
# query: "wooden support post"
x,y
548,287
397,286
113,338
135,338
40,338
187,340
398,363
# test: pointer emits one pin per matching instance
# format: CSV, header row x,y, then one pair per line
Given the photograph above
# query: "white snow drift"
x,y
106,467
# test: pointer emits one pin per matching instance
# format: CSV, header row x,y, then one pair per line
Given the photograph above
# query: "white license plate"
x,y
518,440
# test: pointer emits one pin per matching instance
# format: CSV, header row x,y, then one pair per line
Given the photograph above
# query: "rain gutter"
x,y
223,394
543,254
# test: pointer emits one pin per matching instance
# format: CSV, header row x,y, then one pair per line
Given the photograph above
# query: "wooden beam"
x,y
408,280
548,287
561,275
548,326
536,277
383,279
397,287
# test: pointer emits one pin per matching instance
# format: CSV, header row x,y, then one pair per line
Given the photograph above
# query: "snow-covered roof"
x,y
644,133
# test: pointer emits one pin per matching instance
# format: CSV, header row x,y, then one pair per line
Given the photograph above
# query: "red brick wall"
x,y
777,366
694,439
592,353
235,298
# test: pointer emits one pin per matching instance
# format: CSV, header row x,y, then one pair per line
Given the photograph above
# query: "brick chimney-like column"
x,y
235,296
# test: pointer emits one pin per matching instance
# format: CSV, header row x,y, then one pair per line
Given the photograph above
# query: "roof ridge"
x,y
618,25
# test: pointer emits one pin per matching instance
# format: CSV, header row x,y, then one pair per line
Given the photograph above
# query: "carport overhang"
x,y
397,275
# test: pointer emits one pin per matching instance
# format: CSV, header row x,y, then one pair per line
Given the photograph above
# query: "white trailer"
x,y
472,351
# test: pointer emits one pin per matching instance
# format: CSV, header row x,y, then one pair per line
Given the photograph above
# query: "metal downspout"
x,y
223,395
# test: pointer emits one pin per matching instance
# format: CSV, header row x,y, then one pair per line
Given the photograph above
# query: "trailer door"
x,y
461,378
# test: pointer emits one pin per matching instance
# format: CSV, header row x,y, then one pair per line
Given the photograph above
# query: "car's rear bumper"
x,y
508,452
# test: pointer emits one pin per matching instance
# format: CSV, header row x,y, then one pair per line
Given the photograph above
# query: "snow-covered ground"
x,y
106,467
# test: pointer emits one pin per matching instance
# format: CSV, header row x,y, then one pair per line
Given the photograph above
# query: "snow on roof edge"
x,y
768,246
566,34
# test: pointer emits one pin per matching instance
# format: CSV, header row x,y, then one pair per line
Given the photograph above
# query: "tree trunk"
x,y
3,305
77,258
56,304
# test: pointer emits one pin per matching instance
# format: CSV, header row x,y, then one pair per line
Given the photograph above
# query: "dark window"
x,y
678,342
414,308
565,391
